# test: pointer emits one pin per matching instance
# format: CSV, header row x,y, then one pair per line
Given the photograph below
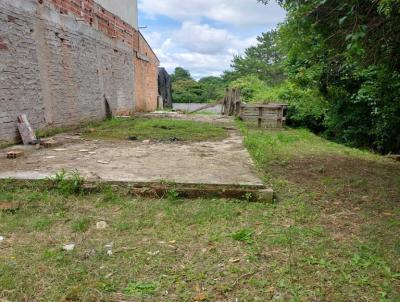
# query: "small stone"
x,y
266,195
234,260
101,225
103,162
90,253
1,238
109,245
147,141
69,247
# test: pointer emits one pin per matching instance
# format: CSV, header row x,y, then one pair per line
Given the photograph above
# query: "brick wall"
x,y
61,59
90,12
146,77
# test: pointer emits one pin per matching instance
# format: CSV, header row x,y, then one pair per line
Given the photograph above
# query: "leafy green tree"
x,y
348,52
181,74
187,91
263,60
213,88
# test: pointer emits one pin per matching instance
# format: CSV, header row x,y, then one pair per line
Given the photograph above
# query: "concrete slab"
x,y
224,162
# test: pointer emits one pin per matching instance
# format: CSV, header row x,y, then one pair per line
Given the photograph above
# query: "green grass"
x,y
51,131
333,235
348,196
81,225
154,129
289,143
4,145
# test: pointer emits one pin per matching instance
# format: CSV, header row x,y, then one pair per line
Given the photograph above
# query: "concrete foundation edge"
x,y
251,193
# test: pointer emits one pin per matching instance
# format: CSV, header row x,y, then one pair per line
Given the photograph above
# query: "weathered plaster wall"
x,y
59,70
146,77
125,9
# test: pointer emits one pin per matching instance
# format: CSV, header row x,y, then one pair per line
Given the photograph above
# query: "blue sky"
x,y
203,35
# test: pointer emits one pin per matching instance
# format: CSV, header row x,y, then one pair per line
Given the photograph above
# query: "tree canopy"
x,y
348,53
181,74
336,63
263,60
187,90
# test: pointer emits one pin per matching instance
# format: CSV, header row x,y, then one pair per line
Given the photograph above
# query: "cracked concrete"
x,y
224,162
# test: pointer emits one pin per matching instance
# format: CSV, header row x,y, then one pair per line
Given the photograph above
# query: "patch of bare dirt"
x,y
352,194
343,177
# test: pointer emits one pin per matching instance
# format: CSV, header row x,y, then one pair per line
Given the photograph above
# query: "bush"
x,y
254,90
369,116
307,108
187,91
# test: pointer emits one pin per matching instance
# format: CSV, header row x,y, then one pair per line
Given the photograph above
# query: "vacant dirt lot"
x,y
332,236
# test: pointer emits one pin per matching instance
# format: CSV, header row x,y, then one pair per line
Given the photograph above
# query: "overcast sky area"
x,y
203,35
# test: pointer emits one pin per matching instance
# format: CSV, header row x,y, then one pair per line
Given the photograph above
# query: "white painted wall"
x,y
125,9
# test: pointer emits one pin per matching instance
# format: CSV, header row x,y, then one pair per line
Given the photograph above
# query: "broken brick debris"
x,y
14,154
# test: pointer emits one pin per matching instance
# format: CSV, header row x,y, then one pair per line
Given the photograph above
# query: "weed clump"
x,y
139,288
68,183
245,235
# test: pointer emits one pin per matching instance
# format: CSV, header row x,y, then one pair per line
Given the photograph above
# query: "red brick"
x,y
3,45
95,15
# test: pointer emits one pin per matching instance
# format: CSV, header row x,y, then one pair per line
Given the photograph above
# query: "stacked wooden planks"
x,y
270,115
262,115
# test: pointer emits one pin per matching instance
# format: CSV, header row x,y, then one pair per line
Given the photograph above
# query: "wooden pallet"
x,y
263,115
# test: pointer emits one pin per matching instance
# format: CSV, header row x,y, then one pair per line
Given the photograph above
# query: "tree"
x,y
180,74
187,91
263,60
213,88
348,51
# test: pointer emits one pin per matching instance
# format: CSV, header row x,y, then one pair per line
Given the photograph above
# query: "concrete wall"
x,y
188,107
125,9
58,70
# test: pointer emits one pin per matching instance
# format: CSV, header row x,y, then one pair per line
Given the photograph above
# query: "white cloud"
x,y
202,49
210,31
234,12
202,38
